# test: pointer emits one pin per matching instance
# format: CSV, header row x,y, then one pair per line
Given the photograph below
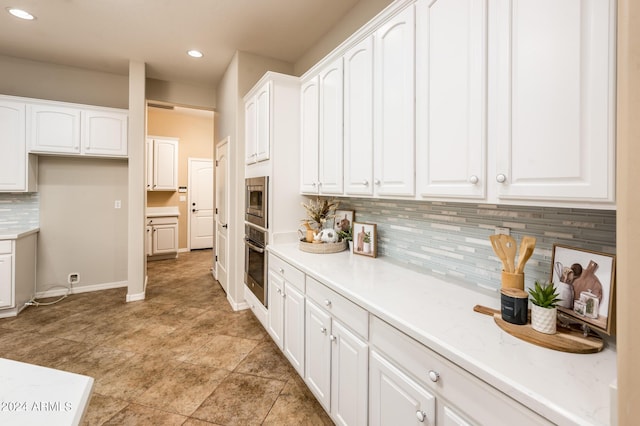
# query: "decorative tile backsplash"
x,y
19,211
452,239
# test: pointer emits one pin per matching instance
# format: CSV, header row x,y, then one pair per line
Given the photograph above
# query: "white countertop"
x,y
14,234
162,211
565,388
34,395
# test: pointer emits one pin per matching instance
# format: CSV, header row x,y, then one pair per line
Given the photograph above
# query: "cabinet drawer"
x,y
482,402
340,307
5,247
162,220
286,271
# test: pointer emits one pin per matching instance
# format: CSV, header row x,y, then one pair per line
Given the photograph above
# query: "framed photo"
x,y
586,283
344,220
365,239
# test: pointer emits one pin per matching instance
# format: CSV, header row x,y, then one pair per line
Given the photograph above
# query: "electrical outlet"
x,y
117,204
500,230
74,278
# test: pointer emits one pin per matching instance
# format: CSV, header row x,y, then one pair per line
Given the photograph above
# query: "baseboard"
x,y
183,250
135,297
80,289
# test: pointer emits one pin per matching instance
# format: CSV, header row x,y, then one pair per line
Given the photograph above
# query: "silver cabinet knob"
x,y
421,416
323,330
281,270
501,178
473,179
327,303
365,182
434,376
377,182
313,184
332,338
279,291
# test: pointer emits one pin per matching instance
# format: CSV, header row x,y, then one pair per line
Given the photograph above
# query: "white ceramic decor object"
x,y
543,319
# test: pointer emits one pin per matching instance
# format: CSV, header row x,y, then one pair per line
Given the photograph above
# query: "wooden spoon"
x,y
509,247
497,248
527,245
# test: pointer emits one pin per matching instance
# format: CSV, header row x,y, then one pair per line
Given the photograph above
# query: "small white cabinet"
x,y
72,129
322,133
336,357
286,313
257,124
18,170
17,273
162,236
162,164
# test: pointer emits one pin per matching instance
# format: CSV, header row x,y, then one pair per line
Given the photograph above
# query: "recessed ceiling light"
x,y
195,53
22,14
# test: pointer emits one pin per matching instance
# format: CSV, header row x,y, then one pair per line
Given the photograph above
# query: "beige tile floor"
x,y
181,357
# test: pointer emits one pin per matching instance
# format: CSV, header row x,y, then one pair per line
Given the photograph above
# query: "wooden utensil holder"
x,y
512,280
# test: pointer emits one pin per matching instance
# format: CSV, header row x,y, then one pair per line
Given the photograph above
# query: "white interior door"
x,y
200,203
221,260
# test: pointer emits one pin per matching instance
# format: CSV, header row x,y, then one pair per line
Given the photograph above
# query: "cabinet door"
x,y
149,240
554,109
165,239
275,318
250,131
54,129
318,353
6,281
451,418
294,327
451,52
309,137
13,150
349,376
263,122
165,165
104,133
331,137
394,106
395,399
358,119
149,164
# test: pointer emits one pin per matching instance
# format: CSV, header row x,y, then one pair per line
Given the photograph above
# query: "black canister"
x,y
514,304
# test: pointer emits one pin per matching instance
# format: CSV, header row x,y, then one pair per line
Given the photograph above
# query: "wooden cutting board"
x,y
565,340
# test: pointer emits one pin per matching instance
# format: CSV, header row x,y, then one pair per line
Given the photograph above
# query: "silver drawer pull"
x,y
323,330
421,416
434,376
332,338
281,271
327,303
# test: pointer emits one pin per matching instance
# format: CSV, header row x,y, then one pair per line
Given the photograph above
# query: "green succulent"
x,y
544,295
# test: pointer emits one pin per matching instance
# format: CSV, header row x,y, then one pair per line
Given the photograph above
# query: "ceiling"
x,y
105,34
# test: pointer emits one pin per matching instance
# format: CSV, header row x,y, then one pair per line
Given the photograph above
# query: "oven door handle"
x,y
253,246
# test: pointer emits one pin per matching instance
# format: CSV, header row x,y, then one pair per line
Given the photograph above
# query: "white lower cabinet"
x,y
162,236
285,317
337,359
460,397
6,280
17,273
396,399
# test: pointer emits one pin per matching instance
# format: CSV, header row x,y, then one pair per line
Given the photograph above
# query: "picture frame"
x,y
365,239
343,220
585,280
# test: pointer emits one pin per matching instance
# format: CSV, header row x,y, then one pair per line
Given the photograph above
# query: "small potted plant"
x,y
346,236
319,212
367,242
544,299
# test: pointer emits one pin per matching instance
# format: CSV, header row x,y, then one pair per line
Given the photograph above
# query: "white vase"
x,y
366,248
543,319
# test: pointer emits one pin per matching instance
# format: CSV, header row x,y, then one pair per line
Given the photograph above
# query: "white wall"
x,y
80,230
181,93
41,80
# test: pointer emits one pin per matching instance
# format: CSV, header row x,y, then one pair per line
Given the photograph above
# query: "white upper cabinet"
x,y
53,129
105,133
552,115
358,119
17,169
451,52
394,106
330,144
309,136
321,147
162,164
257,124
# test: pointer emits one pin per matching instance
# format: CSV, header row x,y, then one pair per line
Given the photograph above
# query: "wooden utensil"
x,y
509,247
497,248
527,245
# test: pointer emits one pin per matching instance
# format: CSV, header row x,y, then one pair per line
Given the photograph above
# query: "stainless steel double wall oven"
x,y
255,236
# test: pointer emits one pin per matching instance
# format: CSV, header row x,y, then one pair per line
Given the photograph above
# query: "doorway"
x,y
221,258
200,224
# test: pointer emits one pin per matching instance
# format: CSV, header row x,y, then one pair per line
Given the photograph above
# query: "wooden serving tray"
x,y
565,340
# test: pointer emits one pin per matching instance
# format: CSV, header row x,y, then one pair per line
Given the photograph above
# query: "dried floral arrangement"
x,y
319,211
